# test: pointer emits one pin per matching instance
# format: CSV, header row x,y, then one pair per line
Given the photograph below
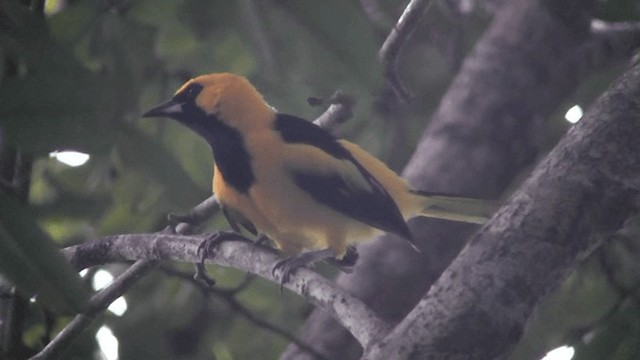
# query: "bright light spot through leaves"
x,y
102,279
108,343
118,307
574,114
71,158
561,353
51,7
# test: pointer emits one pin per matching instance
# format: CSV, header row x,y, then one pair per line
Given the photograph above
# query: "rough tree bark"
x,y
579,195
479,139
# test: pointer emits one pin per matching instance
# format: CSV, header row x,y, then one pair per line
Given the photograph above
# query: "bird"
x,y
281,176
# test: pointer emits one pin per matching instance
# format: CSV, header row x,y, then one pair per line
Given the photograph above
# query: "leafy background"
x,y
78,77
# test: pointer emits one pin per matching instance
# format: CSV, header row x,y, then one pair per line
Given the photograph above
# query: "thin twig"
x,y
390,50
250,316
229,296
337,113
97,304
198,215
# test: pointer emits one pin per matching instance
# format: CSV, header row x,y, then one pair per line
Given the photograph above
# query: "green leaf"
x,y
53,101
146,155
33,262
50,111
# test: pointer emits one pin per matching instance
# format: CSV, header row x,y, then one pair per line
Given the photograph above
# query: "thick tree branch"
x,y
587,186
351,312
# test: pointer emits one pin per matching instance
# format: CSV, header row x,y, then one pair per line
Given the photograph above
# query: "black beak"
x,y
170,109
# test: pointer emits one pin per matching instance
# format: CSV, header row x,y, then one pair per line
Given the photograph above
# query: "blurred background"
x,y
75,76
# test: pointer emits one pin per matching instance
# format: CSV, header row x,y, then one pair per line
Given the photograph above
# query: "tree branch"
x,y
350,311
97,304
390,50
587,186
119,286
250,316
228,295
198,215
337,113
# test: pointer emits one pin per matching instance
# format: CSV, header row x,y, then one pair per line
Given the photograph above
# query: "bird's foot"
x,y
175,219
206,249
347,262
262,240
287,266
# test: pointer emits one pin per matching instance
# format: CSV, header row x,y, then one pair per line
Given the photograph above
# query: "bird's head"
x,y
207,101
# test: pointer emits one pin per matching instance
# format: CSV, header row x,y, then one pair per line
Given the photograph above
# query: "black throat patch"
x,y
227,144
231,156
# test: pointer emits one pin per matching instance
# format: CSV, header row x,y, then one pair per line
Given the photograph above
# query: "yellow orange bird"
x,y
284,177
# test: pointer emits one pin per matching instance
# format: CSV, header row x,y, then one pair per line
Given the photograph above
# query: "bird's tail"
x,y
462,209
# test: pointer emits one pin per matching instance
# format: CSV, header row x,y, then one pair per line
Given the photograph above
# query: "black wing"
x,y
372,205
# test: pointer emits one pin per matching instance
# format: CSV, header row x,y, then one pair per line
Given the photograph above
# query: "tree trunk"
x,y
576,198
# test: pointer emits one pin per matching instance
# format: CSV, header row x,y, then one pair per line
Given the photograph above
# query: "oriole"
x,y
284,177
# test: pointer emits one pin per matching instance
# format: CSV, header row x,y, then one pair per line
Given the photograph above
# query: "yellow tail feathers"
x,y
474,211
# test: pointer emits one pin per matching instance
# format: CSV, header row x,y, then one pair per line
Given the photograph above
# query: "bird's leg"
x,y
205,249
290,264
347,262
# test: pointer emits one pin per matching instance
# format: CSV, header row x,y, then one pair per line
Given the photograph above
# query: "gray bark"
x,y
582,192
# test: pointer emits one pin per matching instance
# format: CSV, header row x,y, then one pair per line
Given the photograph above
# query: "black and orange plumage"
x,y
286,178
